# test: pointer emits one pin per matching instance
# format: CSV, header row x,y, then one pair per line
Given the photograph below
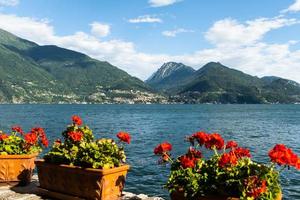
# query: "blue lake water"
x,y
257,127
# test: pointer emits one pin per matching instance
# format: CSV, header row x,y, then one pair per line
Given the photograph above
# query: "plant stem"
x,y
215,150
169,158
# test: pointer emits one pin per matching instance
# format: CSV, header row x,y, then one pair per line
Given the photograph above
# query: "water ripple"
x,y
257,127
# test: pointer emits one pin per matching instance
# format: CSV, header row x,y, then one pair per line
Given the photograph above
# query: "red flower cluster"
x,y
75,136
228,159
201,137
231,144
241,152
255,187
77,120
215,141
210,141
40,132
190,159
231,158
3,136
17,129
162,148
31,138
125,137
283,155
187,162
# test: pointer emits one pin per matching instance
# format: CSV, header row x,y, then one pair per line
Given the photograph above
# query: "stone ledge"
x,y
31,192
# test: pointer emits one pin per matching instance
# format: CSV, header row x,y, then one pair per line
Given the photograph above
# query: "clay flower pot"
x,y
70,182
180,196
16,169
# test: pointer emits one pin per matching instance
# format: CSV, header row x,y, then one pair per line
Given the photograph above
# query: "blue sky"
x,y
259,37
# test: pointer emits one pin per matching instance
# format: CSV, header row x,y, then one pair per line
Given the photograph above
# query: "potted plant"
x,y
18,151
229,173
82,167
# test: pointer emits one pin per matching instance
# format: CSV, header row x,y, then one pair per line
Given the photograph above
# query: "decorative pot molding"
x,y
16,169
78,182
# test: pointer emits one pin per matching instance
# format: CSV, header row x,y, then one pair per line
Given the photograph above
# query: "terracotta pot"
x,y
180,196
70,182
16,169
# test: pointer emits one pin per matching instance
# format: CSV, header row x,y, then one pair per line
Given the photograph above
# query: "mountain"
x,y
274,79
216,83
278,89
163,79
81,73
30,73
22,80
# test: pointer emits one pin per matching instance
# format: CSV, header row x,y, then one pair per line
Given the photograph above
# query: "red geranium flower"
x,y
201,137
163,147
282,155
40,132
228,159
190,159
215,140
3,136
17,129
75,136
77,120
125,137
241,152
231,144
187,161
31,138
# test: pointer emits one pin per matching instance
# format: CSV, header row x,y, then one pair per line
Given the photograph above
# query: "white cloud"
x,y
253,56
160,3
9,2
231,32
174,33
100,29
145,19
120,53
295,7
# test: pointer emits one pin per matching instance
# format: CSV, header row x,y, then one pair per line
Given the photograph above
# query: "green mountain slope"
x,y
82,73
23,81
216,83
30,73
14,43
281,90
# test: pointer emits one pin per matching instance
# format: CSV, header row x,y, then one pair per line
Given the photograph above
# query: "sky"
x,y
259,37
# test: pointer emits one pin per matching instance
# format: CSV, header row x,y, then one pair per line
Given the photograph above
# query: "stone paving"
x,y
31,192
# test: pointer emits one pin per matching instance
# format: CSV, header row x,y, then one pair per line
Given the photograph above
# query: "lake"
x,y
257,127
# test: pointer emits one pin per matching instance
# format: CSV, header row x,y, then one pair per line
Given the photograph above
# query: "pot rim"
x,y
125,167
19,156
